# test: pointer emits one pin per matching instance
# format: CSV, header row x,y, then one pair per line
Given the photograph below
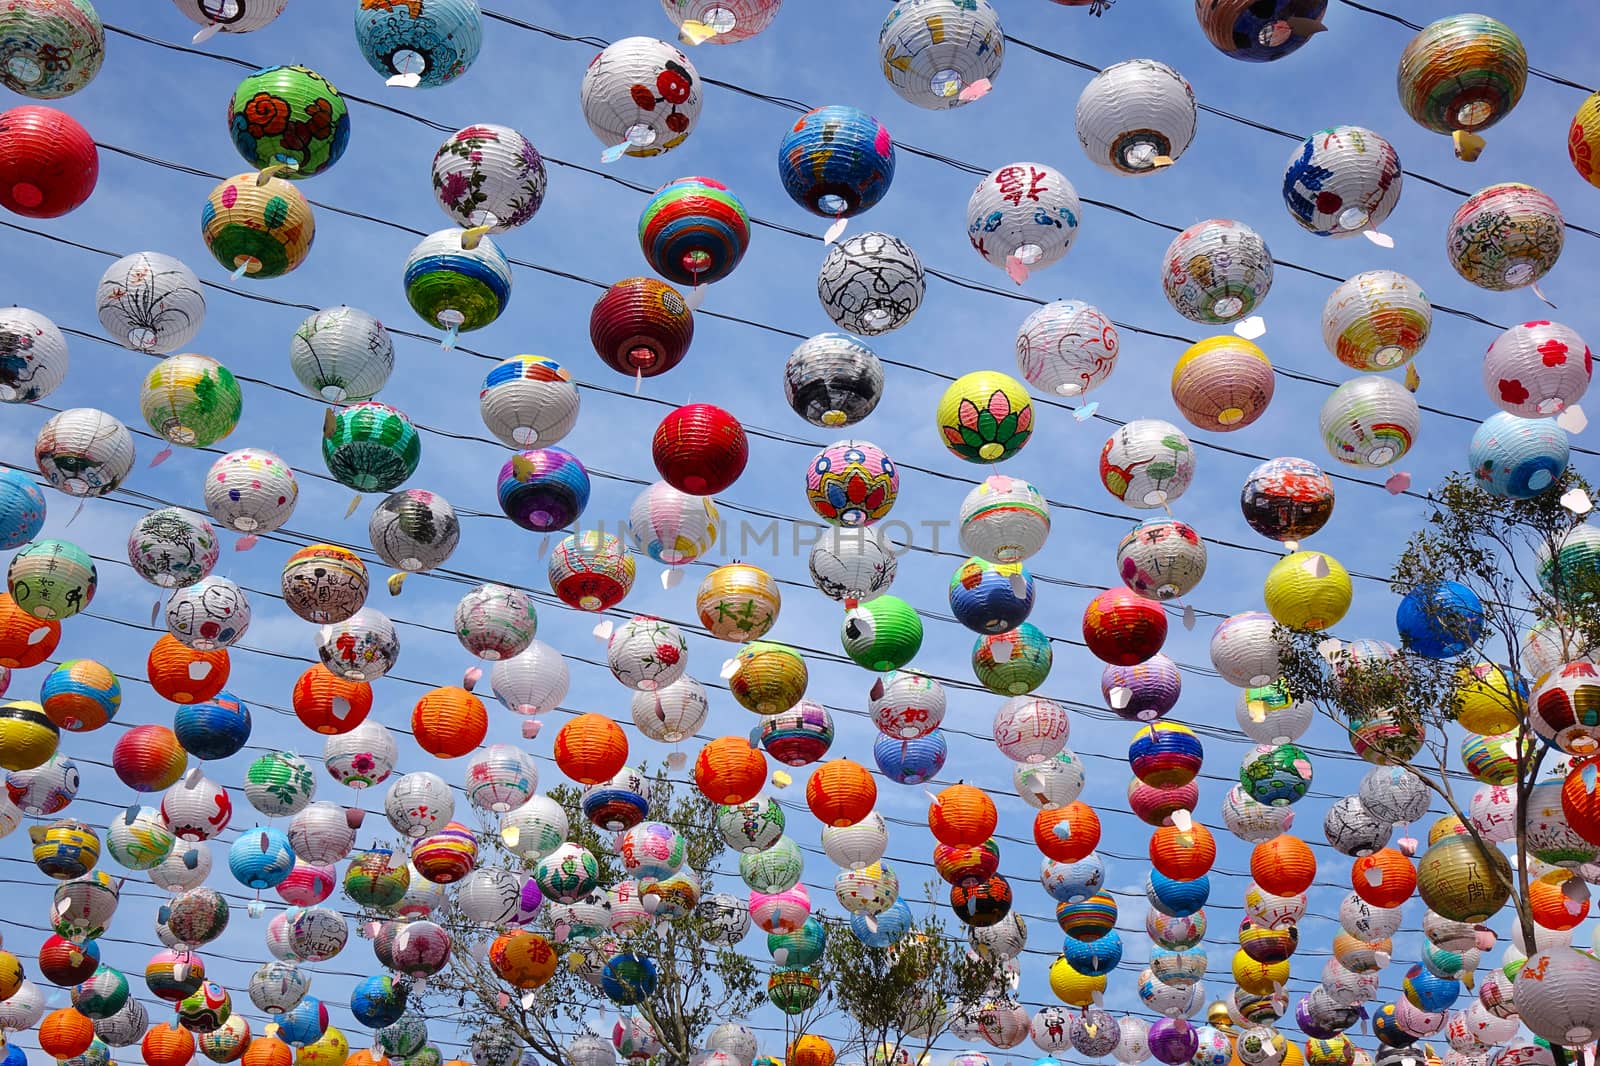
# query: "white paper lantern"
x,y
150,302
489,895
1251,820
852,563
534,829
212,613
672,527
1217,271
495,622
1056,782
1346,987
1147,463
646,653
1133,1041
414,530
906,705
321,834
1555,996
342,355
934,50
1365,922
363,647
317,934
727,22
733,1038
1026,213
1136,116
1067,348
500,778
618,81
1505,237
1050,1028
279,784
1006,939
1369,421
1004,520
1267,714
588,1051
529,401
1537,369
171,547
1030,729
871,283
184,867
276,986
1342,181
833,380
251,491
23,1009
1394,794
83,451
1244,650
868,890
232,16
33,356
1376,320
361,757
1161,559
196,808
490,176
1353,830
532,682
857,846
671,713
124,1028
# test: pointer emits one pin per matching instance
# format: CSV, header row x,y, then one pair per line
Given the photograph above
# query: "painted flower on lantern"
x,y
989,433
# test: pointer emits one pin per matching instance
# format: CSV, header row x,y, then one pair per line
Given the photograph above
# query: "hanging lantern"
x,y
279,784
641,327
694,231
80,695
729,771
1147,463
263,230
48,163
341,354
1217,271
754,825
935,51
191,400
49,580
1505,237
672,713
1583,140
83,451
52,48
700,449
231,16
1257,32
1067,348
871,283
495,622
1123,628
1028,729
172,548
836,161
423,42
22,511
1068,833
1136,117
44,790
183,674
768,678
1559,711
414,530
985,417
150,302
1014,662
1377,320
363,647
447,856
1275,774
1023,213
1342,181
841,792
1440,620
738,602
290,119
1254,822
672,527
720,22
212,729
1353,830
1268,714
330,703
641,94
907,705
529,400
882,634
1165,755
1369,421
543,489
962,815
591,571
455,287
251,491
852,564
1307,591
645,653
1161,559
488,177
591,748
852,483
1222,383
1535,370
615,805
360,757
419,803
833,380
1287,499
449,722
33,354
324,583
991,597
25,640
210,614
1143,691
1004,520
1462,74
870,890
1283,865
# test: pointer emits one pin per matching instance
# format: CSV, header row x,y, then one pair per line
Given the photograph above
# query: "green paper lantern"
x,y
191,400
289,116
882,634
371,447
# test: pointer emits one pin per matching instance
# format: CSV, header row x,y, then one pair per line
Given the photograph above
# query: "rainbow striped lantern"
x,y
940,54
694,231
985,417
1004,520
1254,31
22,510
641,97
1067,348
1143,691
1217,271
1287,499
1460,75
50,48
371,447
83,451
150,302
1583,140
833,380
457,287
414,529
1342,181
488,177
172,547
1506,236
672,527
342,355
871,283
251,491
1377,320
543,489
1136,117
836,161
419,42
719,22
289,120
1147,463
991,597
1161,559
255,228
529,400
1014,662
1222,383
1369,421
1023,213
1517,458
33,354
591,570
230,16
852,483
80,695
1536,369
191,400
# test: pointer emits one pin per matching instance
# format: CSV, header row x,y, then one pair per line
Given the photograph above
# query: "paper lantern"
x,y
64,850
991,597
1013,662
1283,865
1004,520
729,771
360,757
167,1045
754,825
25,640
231,16
50,163
1570,574
47,580
1254,32
1535,369
150,302
494,622
858,845
1160,559
418,804
982,905
1123,628
700,449
642,94
414,530
1068,833
1307,591
1583,140
53,48
289,118
324,583
620,803
330,703
1254,822
1505,237
341,354
1067,348
1490,760
1342,181
835,161
264,230
227,1042
1147,463
22,511
1287,499
447,856
1276,774
1563,709
423,42
1165,755
1143,691
1462,73
251,491
694,231
645,653
371,447
871,283
738,602
183,674
208,615
449,722
65,1033
1552,998
852,483
1136,116
882,634
363,647
458,288
1023,213
591,748
985,417
543,489
1182,854
934,51
80,695
1222,383
852,563
279,783
43,790
768,678
124,1028
591,570
1385,878
212,729
720,22
1369,421
489,176
191,400
1269,714
1073,988
33,353
641,327
833,380
83,451
840,793
672,527
1377,320
962,815
906,705
1217,271
196,808
260,859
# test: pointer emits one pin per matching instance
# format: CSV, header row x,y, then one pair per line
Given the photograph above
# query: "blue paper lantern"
x,y
261,858
305,1024
991,597
1518,457
378,1001
433,40
836,161
1440,621
628,978
1073,882
911,761
22,509
1175,898
1428,991
544,489
892,924
614,806
14,1056
1094,958
215,729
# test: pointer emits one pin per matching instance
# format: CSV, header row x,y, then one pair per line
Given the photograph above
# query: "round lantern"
x,y
47,580
213,729
533,682
852,483
1217,271
424,42
1562,712
138,839
529,400
800,735
341,354
196,808
723,22
1462,73
1222,383
1024,213
1287,499
488,176
1072,987
1143,691
882,634
620,803
991,597
1307,591
35,353
172,548
494,622
454,287
1342,181
1123,628
738,602
1182,854
25,640
1067,348
1537,369
852,563
1440,621
1004,520
330,703
1257,32
22,510
43,790
251,491
833,380
263,230
700,449
65,850
1147,463
231,16
1268,714
906,704
962,815
1161,558
934,51
1583,140
729,771
371,447
419,803
768,678
307,884
645,653
591,570
65,1033
1505,236
364,647
871,283
210,614
150,302
836,161
1136,116
414,529
1013,662
48,163
52,48
279,783
447,856
694,231
752,826
191,400
544,489
1165,754
985,417
261,859
671,526
567,874
361,757
83,451
449,722
1283,865
80,695
1377,320
1275,774
1551,998
1251,821
641,327
591,748
1067,834
861,844
290,119
1369,421
324,583
840,792
641,94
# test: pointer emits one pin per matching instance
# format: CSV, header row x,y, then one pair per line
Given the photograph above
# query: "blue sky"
x,y
171,105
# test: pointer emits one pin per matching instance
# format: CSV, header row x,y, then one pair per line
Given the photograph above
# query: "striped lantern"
x,y
150,302
768,678
263,229
645,653
985,417
532,682
1004,520
1377,320
700,449
48,163
1535,369
363,647
1067,348
490,176
641,327
341,354
1506,236
1259,32
1136,117
738,602
50,48
1583,140
1161,559
495,622
33,354
641,94
882,634
991,597
1342,181
1244,650
543,489
414,529
371,447
1123,628
1287,499
1307,591
1217,271
212,613
84,452
1029,729
426,42
672,527
1369,421
694,231
455,287
324,583
1023,213
800,736
1465,72
1147,463
934,51
1517,458
81,695
720,22
529,400
591,570
673,713
290,119
852,564
833,380
1143,691
1014,662
30,737
231,16
191,400
871,283
835,161
1222,383
22,512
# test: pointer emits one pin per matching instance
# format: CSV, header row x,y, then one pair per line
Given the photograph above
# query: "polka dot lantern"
x,y
420,43
1537,369
1342,181
934,51
1023,214
672,527
1222,383
48,162
1161,558
1165,754
836,161
48,580
52,48
414,530
1147,463
1287,499
84,452
871,283
694,231
1217,271
1369,422
191,400
641,327
528,400
1376,320
488,176
1259,32
262,229
991,597
852,483
1465,72
543,489
251,491
289,118
1505,236
642,95
1307,591
700,449
457,288
985,417
1014,662
768,678
591,571
1136,117
34,359
1143,691
1067,348
341,354
1123,628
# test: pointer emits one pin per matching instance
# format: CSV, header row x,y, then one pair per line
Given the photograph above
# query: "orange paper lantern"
x,y
1552,907
811,1050
591,748
1384,879
365,1057
729,771
522,959
65,1033
1579,802
1283,865
841,792
267,1051
329,704
184,675
1183,854
25,640
450,721
962,816
1067,834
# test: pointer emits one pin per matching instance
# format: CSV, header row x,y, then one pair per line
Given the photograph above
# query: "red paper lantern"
x,y
591,748
148,758
329,704
962,816
966,865
841,792
700,449
449,722
729,771
65,962
25,641
1283,865
1156,804
184,675
1183,854
1579,802
641,327
48,163
1384,879
65,1033
1123,628
1067,834
1552,907
167,1045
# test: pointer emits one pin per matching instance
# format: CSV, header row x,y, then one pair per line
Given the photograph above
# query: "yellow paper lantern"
x,y
1073,988
263,229
1583,140
1308,591
1259,978
1486,701
985,417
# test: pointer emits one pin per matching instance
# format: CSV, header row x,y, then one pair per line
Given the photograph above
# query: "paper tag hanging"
x,y
1577,501
694,32
1382,240
1305,27
781,779
695,298
1573,420
355,501
614,153
160,457
976,91
1251,328
1540,294
1189,618
205,33
448,341
531,727
245,543
1086,412
1407,846
729,668
602,630
1161,162
1182,821
1016,269
1398,483
470,679
1315,565
1119,697
256,908
1468,146
671,578
76,511
1413,379
835,231
155,611
472,236
396,582
404,81
240,270
1001,651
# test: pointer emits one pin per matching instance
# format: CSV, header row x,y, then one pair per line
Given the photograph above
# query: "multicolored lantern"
x,y
1377,320
1161,558
1136,117
1123,628
341,354
1067,348
1147,463
257,229
991,597
543,489
1257,32
51,580
1004,520
738,602
1369,421
836,161
768,678
1217,271
985,417
529,400
251,491
1287,499
414,530
1462,74
694,231
641,96
83,451
1583,140
591,571
1517,458
191,400
883,634
488,177
456,287
210,614
641,327
371,447
420,42
800,735
1342,181
52,48
22,510
290,119
1143,691
871,283
672,527
1222,383
33,354
1506,236
1013,662
1024,214
48,163
852,483
935,51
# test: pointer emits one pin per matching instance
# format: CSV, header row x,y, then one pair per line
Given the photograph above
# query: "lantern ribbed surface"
x,y
1465,72
1161,558
770,678
83,451
449,722
1287,498
1217,271
414,529
836,161
694,231
495,622
488,175
49,580
1537,369
1027,212
985,417
22,513
1255,31
171,547
533,682
50,48
183,674
251,491
1505,237
449,285
1004,520
528,399
265,228
991,597
700,449
371,447
1377,320
852,483
641,327
1583,140
932,50
544,489
882,634
232,16
289,115
731,20
341,354
361,648
191,400
1133,113
729,771
1369,421
1152,688
870,283
1030,730
1517,458
1342,181
48,163
641,93
1222,383
1014,662
852,564
1067,348
591,570
671,526
329,704
1301,594
150,302
33,356
738,602
436,40
1147,463
1123,628
799,736
833,380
